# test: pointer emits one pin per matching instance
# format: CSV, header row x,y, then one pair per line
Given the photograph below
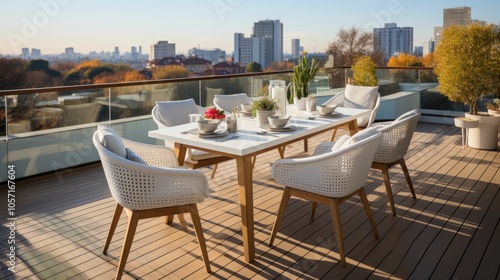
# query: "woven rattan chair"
x,y
358,97
146,182
231,101
329,177
176,113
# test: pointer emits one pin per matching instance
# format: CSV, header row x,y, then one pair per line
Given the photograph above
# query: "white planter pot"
x,y
300,103
263,115
485,136
493,112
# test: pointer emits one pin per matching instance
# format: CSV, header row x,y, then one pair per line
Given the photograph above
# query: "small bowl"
x,y
208,126
326,109
245,107
278,121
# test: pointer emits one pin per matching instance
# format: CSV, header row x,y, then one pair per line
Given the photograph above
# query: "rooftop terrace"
x,y
451,231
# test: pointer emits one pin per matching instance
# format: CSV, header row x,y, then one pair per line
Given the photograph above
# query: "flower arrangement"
x,y
213,113
495,106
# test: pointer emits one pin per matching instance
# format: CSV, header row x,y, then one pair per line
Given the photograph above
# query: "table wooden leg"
x,y
180,152
245,182
353,127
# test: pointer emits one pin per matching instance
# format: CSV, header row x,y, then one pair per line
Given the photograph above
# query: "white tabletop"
x,y
249,141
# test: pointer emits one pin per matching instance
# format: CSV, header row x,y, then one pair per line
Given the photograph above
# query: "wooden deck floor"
x,y
451,231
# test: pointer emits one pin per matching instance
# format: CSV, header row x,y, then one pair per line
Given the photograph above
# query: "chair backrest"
x,y
210,94
229,102
396,138
172,113
337,173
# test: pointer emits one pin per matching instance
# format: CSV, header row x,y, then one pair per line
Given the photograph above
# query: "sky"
x,y
102,25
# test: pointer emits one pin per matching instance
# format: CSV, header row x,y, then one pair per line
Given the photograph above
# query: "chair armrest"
x,y
153,154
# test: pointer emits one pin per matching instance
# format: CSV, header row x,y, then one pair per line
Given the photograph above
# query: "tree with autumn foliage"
x,y
279,65
169,72
403,60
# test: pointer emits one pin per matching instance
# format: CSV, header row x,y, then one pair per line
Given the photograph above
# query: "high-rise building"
x,y
429,47
36,53
161,49
456,16
438,33
393,40
25,53
264,46
295,48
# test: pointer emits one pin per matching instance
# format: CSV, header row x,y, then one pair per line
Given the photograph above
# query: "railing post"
x,y
199,92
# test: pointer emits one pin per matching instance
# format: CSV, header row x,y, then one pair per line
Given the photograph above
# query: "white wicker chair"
x,y
194,158
329,177
396,138
157,188
362,94
231,101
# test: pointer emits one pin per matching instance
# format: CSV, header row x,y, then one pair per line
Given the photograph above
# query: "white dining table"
x,y
245,144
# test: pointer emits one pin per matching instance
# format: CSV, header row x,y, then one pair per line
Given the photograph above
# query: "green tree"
x,y
466,60
253,67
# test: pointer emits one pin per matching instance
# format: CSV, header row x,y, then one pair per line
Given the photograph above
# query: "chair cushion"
x,y
177,112
407,114
360,135
111,140
133,156
360,97
338,144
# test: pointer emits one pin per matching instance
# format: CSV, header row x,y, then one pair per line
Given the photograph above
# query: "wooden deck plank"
x,y
453,224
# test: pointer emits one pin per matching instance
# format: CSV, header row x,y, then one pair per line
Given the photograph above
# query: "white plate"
x,y
332,115
278,129
246,113
215,134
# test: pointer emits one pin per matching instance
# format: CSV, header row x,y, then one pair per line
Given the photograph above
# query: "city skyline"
x,y
53,25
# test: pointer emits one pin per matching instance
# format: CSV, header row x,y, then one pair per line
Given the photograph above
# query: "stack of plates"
x,y
332,115
215,134
278,129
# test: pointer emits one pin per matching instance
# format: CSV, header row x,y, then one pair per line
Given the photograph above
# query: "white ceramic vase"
x,y
263,115
300,103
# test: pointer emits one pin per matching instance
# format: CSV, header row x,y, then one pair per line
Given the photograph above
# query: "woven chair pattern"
x,y
396,139
141,187
333,174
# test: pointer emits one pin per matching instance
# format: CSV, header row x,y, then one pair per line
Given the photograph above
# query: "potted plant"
x,y
303,73
467,68
263,107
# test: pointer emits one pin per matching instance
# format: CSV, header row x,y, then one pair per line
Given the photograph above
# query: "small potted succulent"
x,y
263,107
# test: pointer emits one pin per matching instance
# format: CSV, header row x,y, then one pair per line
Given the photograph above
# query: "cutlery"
x,y
265,133
232,137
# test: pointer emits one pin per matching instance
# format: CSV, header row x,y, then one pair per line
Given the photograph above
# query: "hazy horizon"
x,y
53,25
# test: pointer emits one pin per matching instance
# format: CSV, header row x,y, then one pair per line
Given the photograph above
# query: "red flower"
x,y
214,113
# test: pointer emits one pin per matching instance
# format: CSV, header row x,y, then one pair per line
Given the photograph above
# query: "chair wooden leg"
x,y
407,176
366,205
195,216
306,145
279,216
387,181
335,212
313,210
333,134
214,170
169,220
112,227
133,218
